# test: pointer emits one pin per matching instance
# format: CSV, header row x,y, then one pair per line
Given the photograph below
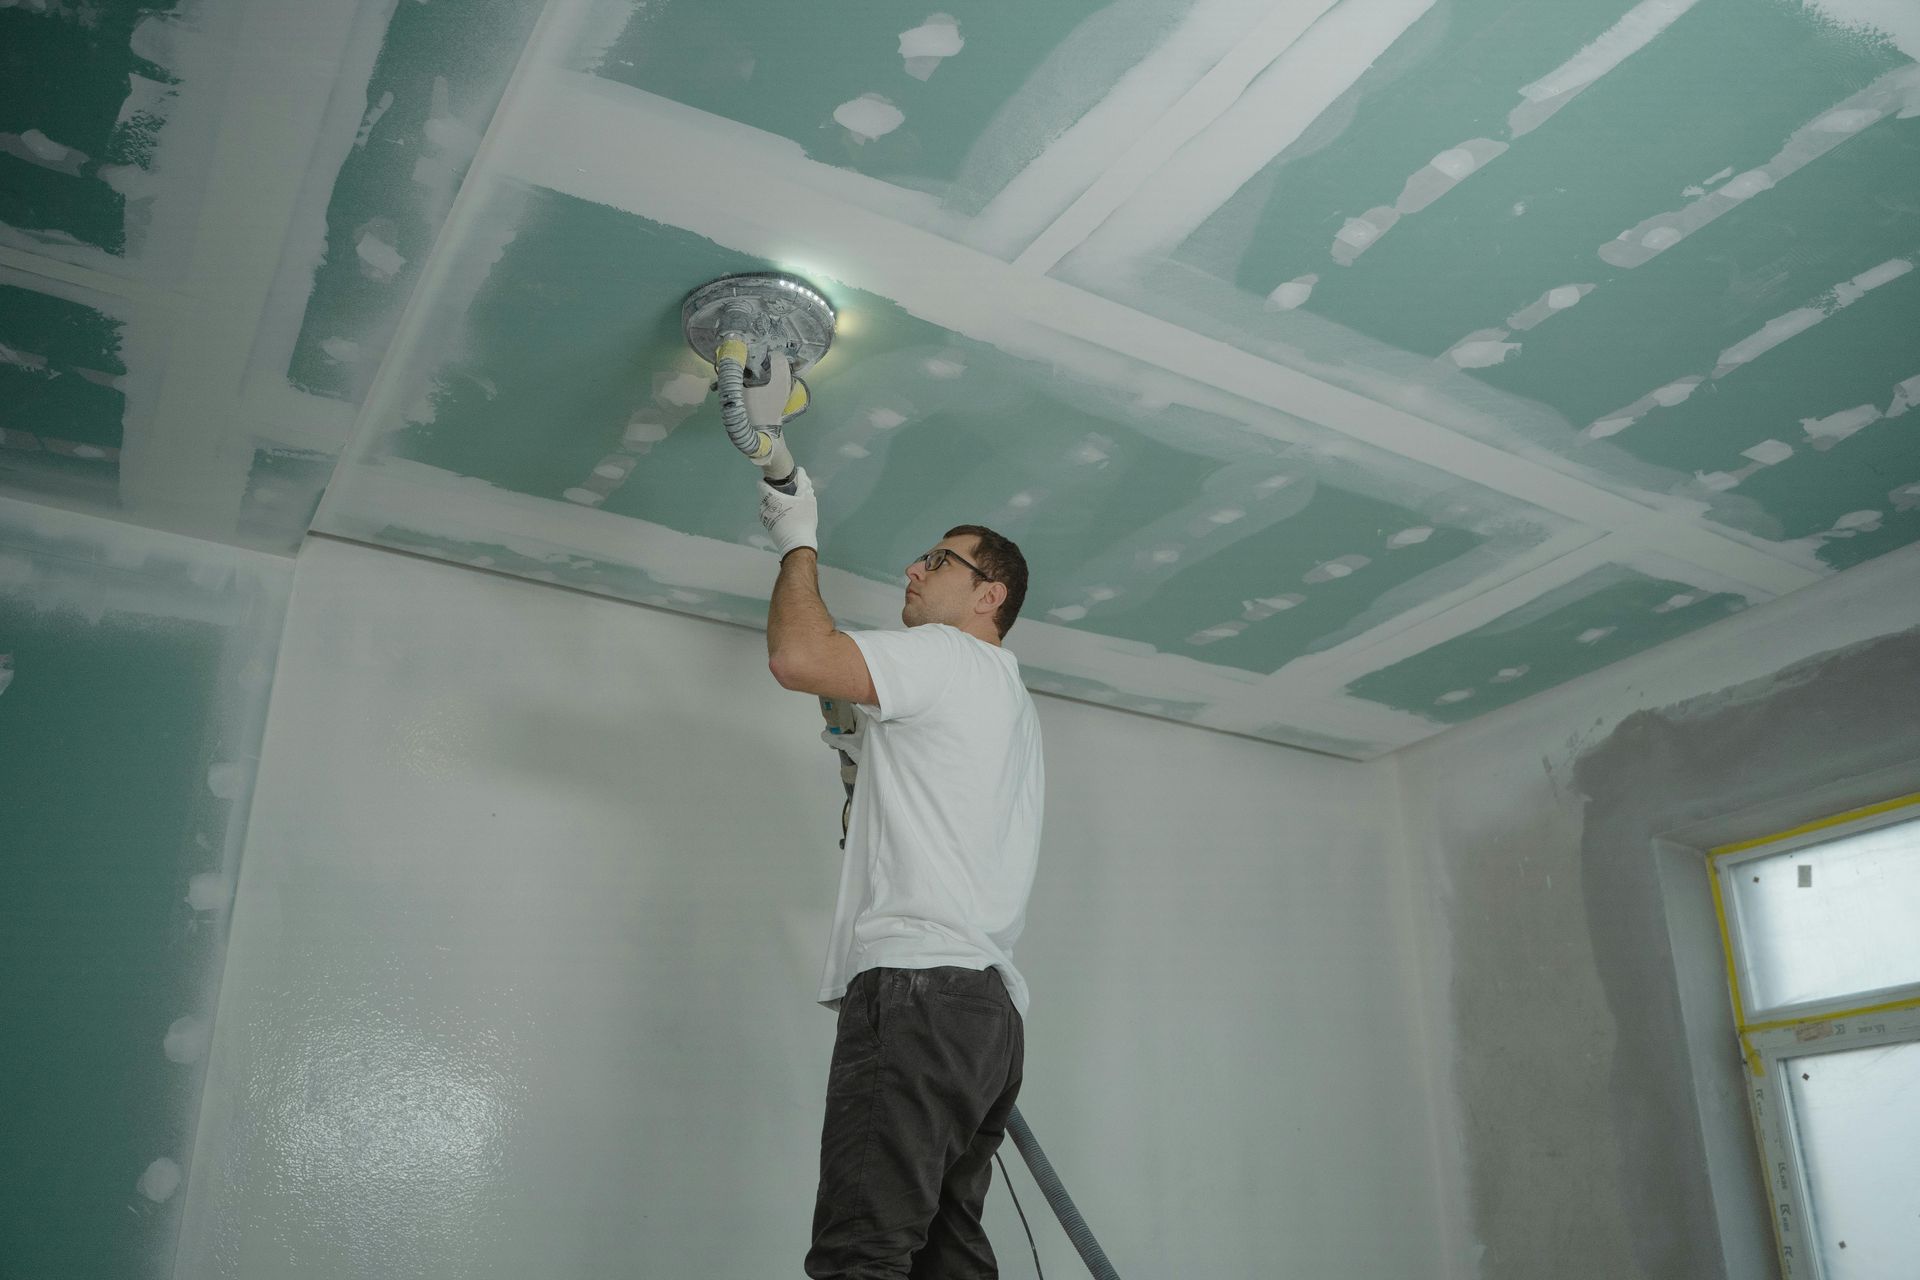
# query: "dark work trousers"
x,y
926,1067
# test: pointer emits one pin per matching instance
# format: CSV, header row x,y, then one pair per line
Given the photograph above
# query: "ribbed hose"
x,y
764,448
1042,1169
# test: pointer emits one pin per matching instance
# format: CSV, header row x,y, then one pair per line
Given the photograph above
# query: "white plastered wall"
x,y
530,923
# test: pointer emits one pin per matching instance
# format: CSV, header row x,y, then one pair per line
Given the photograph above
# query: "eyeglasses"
x,y
936,560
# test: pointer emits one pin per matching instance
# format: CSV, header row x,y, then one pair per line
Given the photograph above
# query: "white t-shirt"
x,y
945,830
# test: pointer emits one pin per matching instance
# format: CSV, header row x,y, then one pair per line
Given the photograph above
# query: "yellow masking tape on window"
x,y
1852,815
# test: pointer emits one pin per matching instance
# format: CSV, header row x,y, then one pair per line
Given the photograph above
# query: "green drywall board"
x,y
1786,248
580,318
785,69
1608,159
105,743
68,78
1544,639
1334,523
472,47
59,401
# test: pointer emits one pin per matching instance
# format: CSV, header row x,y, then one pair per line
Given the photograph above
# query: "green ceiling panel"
x,y
440,75
1608,159
57,378
787,69
1597,619
1288,558
65,76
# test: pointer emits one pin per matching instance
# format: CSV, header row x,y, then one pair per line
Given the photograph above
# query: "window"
x,y
1821,930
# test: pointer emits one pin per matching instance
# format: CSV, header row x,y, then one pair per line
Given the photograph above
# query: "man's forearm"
x,y
797,616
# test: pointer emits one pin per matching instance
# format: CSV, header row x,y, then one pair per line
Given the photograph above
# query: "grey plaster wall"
x,y
1575,1118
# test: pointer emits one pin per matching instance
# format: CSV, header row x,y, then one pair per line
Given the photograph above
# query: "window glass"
x,y
1858,1117
1828,920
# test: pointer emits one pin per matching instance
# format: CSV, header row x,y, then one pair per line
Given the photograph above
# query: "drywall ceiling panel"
x,y
1347,368
1671,250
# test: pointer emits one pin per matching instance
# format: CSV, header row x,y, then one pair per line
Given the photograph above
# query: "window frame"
x,y
1854,1020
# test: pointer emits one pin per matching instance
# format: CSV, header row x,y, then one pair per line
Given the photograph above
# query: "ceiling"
x,y
1346,370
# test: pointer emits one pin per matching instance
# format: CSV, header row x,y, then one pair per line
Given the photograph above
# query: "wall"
x,y
1601,1131
532,917
134,669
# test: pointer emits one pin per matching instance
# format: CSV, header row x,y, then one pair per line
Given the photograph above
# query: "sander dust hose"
x,y
1076,1226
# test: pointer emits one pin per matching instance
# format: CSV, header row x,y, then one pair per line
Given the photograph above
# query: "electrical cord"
x,y
1023,1215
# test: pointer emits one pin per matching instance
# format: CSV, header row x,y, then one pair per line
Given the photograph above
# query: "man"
x,y
942,841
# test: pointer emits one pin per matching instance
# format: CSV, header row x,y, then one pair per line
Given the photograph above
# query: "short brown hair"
x,y
1000,559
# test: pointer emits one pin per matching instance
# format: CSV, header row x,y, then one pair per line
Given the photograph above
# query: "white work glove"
x,y
854,744
792,522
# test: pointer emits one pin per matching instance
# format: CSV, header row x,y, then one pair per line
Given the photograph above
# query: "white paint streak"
x,y
1190,181
1633,32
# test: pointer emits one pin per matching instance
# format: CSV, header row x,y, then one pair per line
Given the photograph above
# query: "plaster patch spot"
x,y
1824,433
160,1181
1481,354
1847,120
1266,606
1068,613
382,260
1356,235
186,1040
868,116
1769,452
1092,453
208,892
1455,162
1905,395
1593,635
585,497
1332,570
227,780
885,419
924,47
1293,293
1410,537
1749,184
641,433
1662,237
1675,392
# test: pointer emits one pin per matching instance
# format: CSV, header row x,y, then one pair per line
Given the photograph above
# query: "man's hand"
x,y
792,522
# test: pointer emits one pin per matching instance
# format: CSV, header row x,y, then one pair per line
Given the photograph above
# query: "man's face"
x,y
945,594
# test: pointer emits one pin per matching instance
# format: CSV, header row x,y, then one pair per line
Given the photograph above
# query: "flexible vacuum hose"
x,y
1042,1169
766,450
